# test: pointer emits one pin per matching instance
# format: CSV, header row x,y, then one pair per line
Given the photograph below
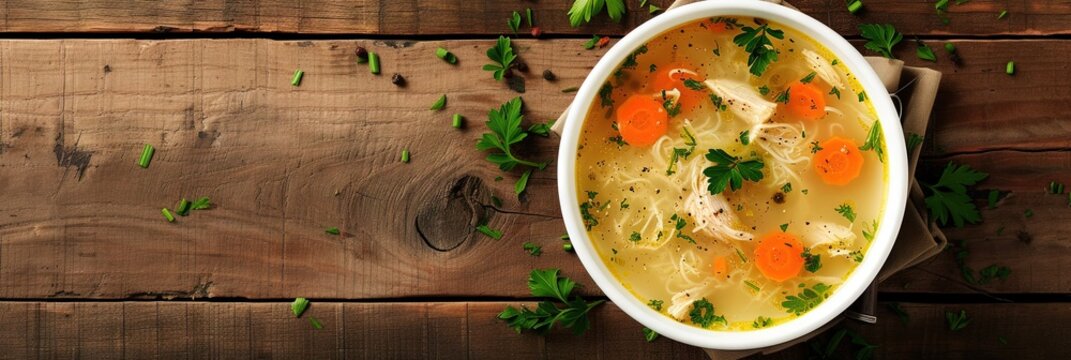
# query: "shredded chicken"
x,y
713,215
838,239
683,300
743,100
822,67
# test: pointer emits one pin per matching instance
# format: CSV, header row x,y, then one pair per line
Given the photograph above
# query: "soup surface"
x,y
731,173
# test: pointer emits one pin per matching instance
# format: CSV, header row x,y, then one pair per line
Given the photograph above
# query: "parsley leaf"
x,y
502,55
649,334
730,171
201,204
756,42
811,262
679,224
505,126
873,141
702,314
924,52
948,199
582,10
913,141
846,211
590,220
548,283
761,322
486,230
882,38
806,299
298,306
694,84
655,304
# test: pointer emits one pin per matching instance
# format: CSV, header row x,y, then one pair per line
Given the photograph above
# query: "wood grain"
x,y
80,220
430,17
462,330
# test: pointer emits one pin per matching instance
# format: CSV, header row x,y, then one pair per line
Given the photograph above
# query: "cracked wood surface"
x,y
465,330
80,220
436,17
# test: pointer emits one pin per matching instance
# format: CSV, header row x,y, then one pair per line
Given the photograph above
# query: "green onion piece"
x,y
146,156
446,55
457,121
492,233
568,247
439,104
201,204
298,74
1003,14
1010,68
183,207
405,156
528,13
315,323
950,47
332,231
373,62
855,6
167,215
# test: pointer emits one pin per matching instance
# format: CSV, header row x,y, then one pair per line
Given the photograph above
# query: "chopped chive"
x,y
1010,68
751,285
373,62
528,16
298,74
332,231
146,156
457,121
570,90
315,323
492,233
855,6
741,254
568,247
167,215
439,104
446,55
183,207
405,156
1003,14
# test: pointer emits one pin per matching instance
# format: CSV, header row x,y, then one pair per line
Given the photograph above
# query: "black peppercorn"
x,y
362,54
397,79
549,76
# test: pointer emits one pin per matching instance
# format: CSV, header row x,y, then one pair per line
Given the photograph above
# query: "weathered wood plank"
x,y
429,17
80,220
462,330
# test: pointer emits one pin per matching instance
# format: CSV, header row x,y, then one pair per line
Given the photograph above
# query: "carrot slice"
x,y
839,162
720,266
642,120
778,256
671,77
806,101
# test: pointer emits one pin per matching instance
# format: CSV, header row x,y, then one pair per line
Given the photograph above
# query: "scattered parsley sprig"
x,y
756,41
729,171
505,126
881,38
548,283
502,55
948,199
583,10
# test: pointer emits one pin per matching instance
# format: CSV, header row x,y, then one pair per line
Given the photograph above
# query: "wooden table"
x,y
89,268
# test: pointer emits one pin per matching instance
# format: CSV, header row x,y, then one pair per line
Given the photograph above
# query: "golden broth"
x,y
634,198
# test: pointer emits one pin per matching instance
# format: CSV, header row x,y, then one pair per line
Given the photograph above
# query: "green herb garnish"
x,y
532,249
332,231
202,203
502,55
183,207
491,233
655,304
874,141
835,91
810,77
298,306
146,156
881,38
811,262
522,183
678,224
957,322
649,335
924,52
547,283
296,80
514,22
730,171
446,55
505,126
373,63
913,141
756,42
405,156
1010,68
806,299
702,314
635,237
167,215
846,211
948,199
745,139
761,322
583,10
315,323
439,103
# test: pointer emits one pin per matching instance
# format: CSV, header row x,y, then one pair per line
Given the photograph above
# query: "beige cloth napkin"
x,y
919,238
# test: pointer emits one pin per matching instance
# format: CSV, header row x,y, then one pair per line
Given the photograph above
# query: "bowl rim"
x,y
854,285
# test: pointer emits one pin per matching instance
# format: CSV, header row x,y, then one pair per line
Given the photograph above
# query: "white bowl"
x,y
857,282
